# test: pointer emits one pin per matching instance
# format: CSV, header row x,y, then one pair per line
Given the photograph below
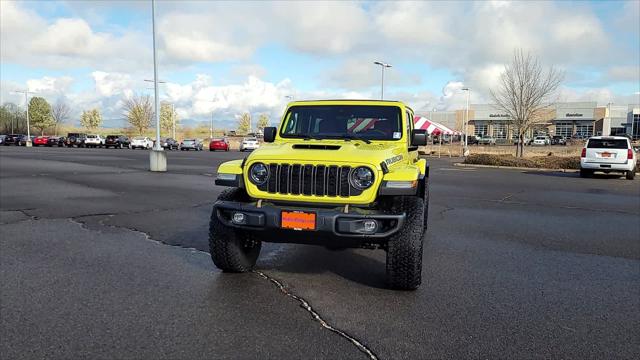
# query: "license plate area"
x,y
298,220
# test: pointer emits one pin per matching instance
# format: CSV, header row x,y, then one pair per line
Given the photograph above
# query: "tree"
x,y
40,114
13,119
139,112
91,119
60,112
526,93
244,123
263,121
168,116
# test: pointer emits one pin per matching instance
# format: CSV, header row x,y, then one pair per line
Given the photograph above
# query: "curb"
x,y
516,168
520,168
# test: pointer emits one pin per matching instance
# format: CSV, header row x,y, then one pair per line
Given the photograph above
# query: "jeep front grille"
x,y
310,180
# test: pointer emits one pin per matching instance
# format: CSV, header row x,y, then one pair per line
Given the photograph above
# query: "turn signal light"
x,y
584,152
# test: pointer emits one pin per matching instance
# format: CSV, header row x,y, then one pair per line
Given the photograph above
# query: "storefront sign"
x,y
573,115
498,115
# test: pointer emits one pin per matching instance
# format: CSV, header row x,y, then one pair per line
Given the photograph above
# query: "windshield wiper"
x,y
347,137
305,136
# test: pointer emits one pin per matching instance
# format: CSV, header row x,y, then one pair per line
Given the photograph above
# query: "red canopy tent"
x,y
432,127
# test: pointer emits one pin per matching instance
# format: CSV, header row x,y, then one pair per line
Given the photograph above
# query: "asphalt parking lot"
x,y
103,259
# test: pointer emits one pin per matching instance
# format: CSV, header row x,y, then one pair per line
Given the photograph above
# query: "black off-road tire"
x,y
232,250
631,174
404,249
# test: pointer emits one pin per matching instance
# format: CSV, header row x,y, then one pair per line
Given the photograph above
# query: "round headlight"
x,y
361,178
259,173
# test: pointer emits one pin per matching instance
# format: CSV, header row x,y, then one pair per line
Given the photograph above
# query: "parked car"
x,y
169,144
541,141
12,139
558,140
22,140
116,141
56,141
94,141
249,143
472,140
40,140
191,144
2,137
486,140
76,139
219,144
608,154
141,142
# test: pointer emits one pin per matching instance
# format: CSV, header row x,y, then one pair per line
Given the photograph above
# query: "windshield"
x,y
343,121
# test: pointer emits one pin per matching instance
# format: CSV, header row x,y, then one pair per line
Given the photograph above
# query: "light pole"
x,y
609,116
466,120
157,157
382,66
26,102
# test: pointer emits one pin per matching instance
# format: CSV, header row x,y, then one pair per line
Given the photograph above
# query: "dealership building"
x,y
564,119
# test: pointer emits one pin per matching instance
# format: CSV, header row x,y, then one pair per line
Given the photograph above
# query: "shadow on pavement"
x,y
349,264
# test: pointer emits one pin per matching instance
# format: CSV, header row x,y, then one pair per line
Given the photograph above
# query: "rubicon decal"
x,y
392,160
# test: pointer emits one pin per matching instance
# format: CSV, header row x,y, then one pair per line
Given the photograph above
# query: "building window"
x,y
635,128
584,130
618,131
480,129
564,129
500,130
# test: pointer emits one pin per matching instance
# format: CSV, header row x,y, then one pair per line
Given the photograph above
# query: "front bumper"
x,y
329,221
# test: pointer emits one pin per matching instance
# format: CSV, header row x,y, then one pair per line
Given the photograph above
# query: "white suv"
x,y
608,154
94,141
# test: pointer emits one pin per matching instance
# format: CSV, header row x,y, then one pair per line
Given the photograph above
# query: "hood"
x,y
333,151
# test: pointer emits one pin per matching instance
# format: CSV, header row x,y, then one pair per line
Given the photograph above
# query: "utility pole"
x,y
466,121
157,157
26,101
382,66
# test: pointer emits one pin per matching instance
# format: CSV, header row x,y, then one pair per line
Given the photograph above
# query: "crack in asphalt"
x,y
445,210
23,212
305,305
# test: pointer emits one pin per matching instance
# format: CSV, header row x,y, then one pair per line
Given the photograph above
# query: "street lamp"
x,y
466,120
26,102
382,66
157,157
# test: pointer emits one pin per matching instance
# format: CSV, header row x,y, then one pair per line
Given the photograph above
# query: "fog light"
x,y
370,226
239,218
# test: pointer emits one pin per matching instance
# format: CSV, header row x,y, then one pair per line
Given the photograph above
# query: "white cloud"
x,y
28,39
50,85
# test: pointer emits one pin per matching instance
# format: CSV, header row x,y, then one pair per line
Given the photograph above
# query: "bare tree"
x,y
526,93
139,112
60,112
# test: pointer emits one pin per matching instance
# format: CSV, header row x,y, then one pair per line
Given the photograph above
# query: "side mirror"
x,y
269,134
418,137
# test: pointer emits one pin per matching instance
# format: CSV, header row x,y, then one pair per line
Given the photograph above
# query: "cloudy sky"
x,y
223,58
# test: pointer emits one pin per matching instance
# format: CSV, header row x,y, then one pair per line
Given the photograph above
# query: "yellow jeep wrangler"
x,y
338,173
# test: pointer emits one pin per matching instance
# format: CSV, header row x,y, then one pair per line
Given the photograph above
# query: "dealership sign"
x,y
498,115
573,115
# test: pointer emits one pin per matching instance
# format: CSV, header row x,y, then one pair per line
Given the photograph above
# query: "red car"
x,y
40,141
219,144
